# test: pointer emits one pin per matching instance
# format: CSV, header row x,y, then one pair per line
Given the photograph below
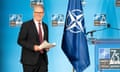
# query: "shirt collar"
x,y
36,22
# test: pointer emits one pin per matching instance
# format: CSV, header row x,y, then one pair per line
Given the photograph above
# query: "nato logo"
x,y
36,2
117,2
57,20
109,58
104,53
75,20
15,19
100,19
115,56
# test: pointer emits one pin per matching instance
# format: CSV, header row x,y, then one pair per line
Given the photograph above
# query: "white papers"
x,y
46,45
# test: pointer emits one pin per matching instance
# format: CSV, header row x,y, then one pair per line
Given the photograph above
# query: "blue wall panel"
x,y
58,62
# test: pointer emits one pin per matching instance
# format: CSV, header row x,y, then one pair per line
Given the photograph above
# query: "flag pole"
x,y
73,69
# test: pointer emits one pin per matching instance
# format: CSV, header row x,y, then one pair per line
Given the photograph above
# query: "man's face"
x,y
38,13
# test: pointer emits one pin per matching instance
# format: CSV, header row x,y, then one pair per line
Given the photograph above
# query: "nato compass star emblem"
x,y
104,53
75,18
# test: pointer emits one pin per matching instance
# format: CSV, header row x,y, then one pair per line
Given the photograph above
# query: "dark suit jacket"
x,y
28,37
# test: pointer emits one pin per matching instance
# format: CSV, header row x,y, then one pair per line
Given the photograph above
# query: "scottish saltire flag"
x,y
74,43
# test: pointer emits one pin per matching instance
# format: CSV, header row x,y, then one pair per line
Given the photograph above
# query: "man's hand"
x,y
36,48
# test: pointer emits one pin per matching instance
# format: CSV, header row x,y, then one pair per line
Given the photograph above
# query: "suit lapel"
x,y
35,30
44,28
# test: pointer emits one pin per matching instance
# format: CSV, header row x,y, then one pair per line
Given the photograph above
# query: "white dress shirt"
x,y
37,27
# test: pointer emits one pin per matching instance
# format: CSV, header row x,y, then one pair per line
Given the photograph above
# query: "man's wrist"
x,y
35,48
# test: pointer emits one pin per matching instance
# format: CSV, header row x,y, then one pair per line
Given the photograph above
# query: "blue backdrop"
x,y
10,51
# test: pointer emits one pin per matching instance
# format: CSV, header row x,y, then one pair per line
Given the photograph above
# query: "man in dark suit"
x,y
32,34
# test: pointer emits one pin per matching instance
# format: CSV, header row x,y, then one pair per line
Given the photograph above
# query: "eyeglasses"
x,y
39,12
